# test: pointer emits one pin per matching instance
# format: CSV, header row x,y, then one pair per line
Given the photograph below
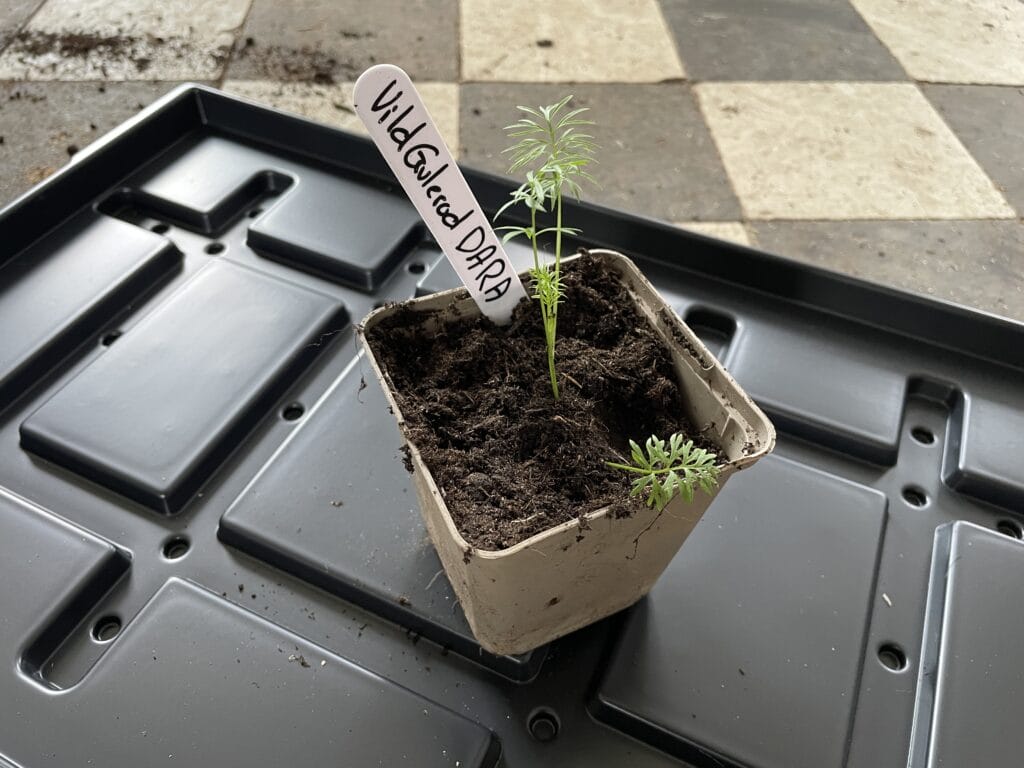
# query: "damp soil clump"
x,y
510,460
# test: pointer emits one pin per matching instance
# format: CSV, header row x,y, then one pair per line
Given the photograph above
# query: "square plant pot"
x,y
580,571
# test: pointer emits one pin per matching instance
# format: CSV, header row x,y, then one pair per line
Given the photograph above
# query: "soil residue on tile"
x,y
72,44
307,64
47,50
38,173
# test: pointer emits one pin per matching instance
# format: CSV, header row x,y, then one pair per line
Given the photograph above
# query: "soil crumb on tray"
x,y
477,400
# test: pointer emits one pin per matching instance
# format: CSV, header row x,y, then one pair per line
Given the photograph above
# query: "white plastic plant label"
x,y
393,112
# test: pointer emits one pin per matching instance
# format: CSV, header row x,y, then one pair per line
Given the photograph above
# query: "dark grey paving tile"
x,y
777,40
43,124
977,263
13,14
989,120
317,41
657,157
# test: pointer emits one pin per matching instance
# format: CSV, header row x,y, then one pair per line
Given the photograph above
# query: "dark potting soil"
x,y
477,400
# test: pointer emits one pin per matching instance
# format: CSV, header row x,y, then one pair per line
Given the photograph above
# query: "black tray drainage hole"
x,y
255,212
417,267
923,435
214,248
543,724
1010,528
293,412
106,629
175,547
915,497
892,657
110,338
160,228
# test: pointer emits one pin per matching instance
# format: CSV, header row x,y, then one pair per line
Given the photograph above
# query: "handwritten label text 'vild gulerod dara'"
x,y
421,158
393,113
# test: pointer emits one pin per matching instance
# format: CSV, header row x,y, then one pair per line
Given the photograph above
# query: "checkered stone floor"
x,y
881,138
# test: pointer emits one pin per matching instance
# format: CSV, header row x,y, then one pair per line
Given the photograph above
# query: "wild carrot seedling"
x,y
662,473
555,155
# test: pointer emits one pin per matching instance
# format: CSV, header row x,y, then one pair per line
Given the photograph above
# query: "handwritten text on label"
x,y
393,113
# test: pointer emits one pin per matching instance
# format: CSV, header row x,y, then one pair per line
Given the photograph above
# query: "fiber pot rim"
x,y
444,299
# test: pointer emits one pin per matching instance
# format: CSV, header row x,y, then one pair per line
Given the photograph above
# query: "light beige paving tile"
x,y
732,231
952,41
844,151
332,104
570,41
125,40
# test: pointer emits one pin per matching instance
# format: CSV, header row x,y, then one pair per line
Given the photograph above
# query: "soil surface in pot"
x,y
510,460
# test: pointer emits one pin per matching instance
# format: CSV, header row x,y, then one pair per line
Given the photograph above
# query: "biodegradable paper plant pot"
x,y
518,598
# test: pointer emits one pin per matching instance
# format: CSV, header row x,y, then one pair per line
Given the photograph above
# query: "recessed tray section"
x,y
54,574
347,232
971,679
749,648
822,384
154,415
334,507
204,185
63,289
716,329
233,673
985,451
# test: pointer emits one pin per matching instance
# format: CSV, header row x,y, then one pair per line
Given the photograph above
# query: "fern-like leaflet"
x,y
663,471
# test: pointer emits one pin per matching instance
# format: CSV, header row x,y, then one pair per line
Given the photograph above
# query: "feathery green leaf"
x,y
665,472
555,152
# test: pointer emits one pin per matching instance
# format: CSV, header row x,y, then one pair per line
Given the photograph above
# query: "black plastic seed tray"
x,y
210,552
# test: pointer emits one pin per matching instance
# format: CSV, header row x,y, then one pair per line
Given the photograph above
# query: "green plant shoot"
x,y
555,155
661,472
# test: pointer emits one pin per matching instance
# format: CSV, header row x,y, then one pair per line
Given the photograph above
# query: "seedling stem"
x,y
556,155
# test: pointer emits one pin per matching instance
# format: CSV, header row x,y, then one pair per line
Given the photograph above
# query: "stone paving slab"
x,y
331,104
657,157
571,41
42,125
125,40
13,15
989,120
324,42
793,40
966,41
730,231
857,151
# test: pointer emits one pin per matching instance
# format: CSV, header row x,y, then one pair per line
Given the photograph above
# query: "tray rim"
x,y
938,322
